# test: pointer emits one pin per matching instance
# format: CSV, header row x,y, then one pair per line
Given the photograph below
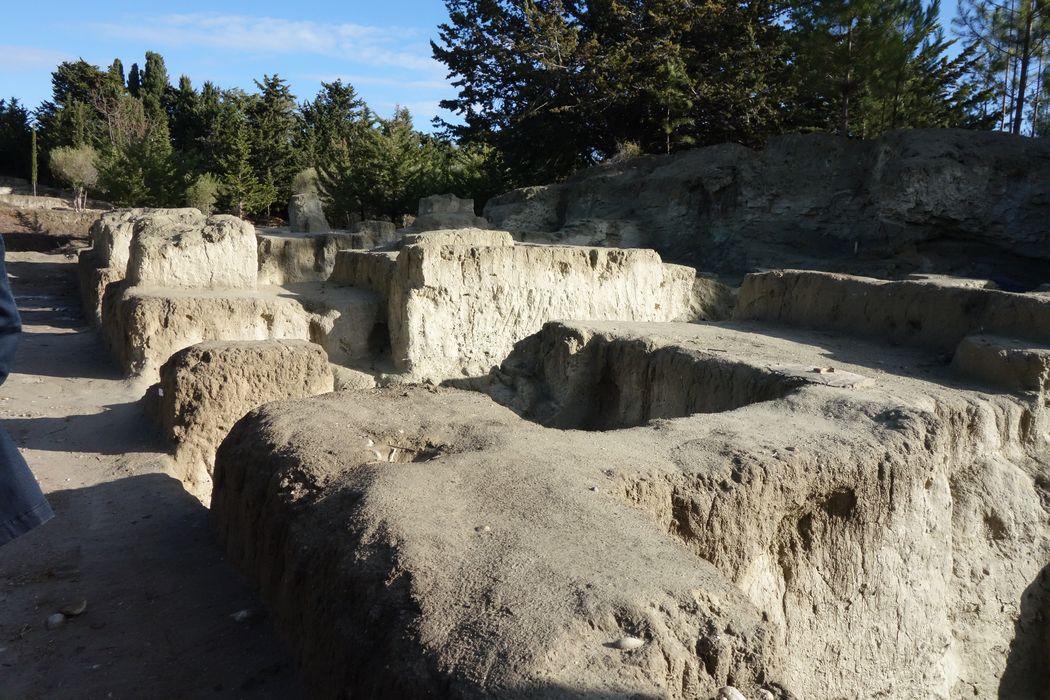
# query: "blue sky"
x,y
381,47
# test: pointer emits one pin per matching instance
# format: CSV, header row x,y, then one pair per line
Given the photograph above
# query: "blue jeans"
x,y
22,505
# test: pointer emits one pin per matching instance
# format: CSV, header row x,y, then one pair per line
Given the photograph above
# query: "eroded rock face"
x,y
370,234
145,326
457,310
891,531
922,200
289,258
306,215
220,253
873,523
112,232
924,313
208,387
482,576
458,300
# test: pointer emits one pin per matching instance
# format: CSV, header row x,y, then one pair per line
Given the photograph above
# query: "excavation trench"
x,y
615,384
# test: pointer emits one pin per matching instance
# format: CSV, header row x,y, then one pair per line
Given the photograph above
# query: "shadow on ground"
x,y
118,429
160,597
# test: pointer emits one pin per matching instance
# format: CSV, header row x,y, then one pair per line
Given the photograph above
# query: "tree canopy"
x,y
543,88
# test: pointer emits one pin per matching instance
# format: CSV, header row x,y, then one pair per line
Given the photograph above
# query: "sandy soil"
x,y
127,538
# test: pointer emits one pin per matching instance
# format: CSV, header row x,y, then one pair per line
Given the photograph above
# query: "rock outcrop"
x,y
208,387
371,234
145,326
419,543
886,522
218,253
923,313
288,258
306,215
458,300
959,202
446,211
106,262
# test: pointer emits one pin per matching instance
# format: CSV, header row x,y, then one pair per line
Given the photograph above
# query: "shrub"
x,y
203,193
78,167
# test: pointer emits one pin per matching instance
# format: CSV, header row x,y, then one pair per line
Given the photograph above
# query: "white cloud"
x,y
28,57
393,47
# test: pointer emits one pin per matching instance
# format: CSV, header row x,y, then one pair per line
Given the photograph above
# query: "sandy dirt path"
x,y
126,538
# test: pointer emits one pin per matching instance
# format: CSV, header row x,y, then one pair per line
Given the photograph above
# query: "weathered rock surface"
x,y
923,200
892,534
145,326
350,324
367,270
458,300
206,388
286,257
220,253
112,232
457,311
94,279
306,215
1009,363
929,314
370,234
384,528
446,211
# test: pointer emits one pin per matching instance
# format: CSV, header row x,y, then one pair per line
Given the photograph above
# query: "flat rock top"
x,y
896,372
283,233
260,292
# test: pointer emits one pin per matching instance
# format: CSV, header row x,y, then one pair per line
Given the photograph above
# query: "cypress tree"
x,y
134,80
33,162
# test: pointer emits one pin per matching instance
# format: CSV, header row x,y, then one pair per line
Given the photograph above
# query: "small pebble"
x,y
75,609
55,620
594,488
728,692
242,615
628,643
483,528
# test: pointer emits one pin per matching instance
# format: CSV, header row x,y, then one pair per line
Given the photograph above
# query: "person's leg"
x,y
22,505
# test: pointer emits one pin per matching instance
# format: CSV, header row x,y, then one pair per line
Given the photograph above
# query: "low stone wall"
x,y
926,314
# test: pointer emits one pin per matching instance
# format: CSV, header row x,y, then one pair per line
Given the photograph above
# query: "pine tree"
x,y
116,74
867,66
272,125
155,81
241,189
15,138
187,128
33,163
1011,40
341,142
554,85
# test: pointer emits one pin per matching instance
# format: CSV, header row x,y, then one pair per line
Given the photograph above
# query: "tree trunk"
x,y
1026,58
848,83
1037,101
